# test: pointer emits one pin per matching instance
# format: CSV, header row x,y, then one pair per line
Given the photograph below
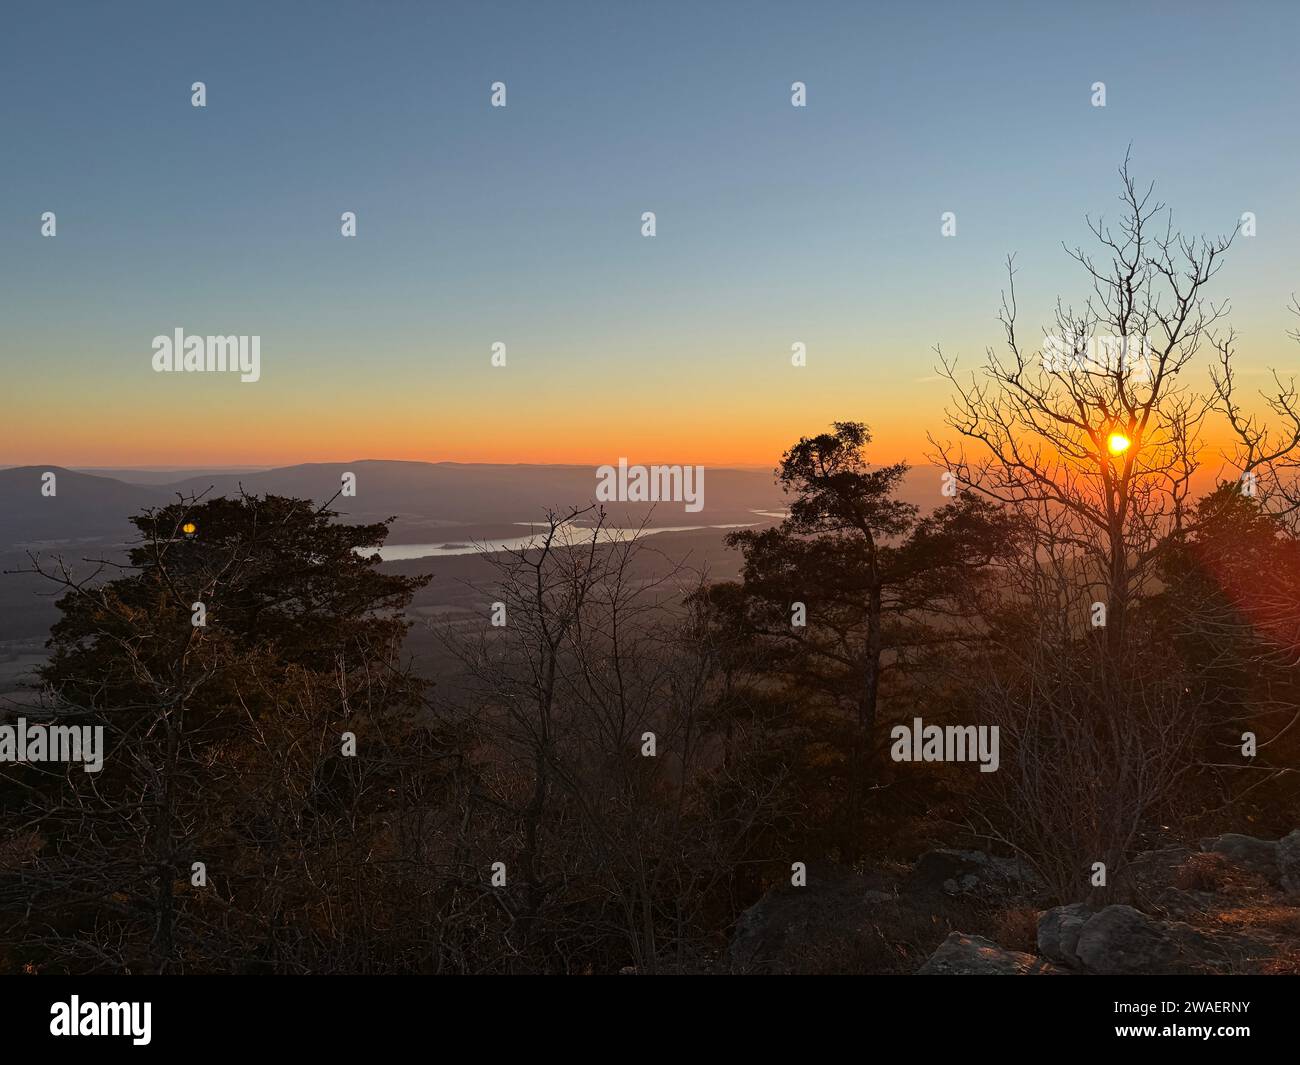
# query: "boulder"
x,y
778,932
1246,852
1119,939
1058,932
963,955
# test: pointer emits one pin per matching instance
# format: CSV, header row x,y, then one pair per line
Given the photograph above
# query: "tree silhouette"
x,y
224,740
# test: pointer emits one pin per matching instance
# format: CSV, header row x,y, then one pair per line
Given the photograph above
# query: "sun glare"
x,y
1118,443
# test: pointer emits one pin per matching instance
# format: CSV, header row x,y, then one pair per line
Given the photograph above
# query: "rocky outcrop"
x,y
963,955
1232,907
1210,912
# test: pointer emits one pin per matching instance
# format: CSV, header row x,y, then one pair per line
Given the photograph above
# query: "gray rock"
x,y
959,872
1120,939
1152,873
775,933
963,955
1246,852
1288,861
1058,932
1175,902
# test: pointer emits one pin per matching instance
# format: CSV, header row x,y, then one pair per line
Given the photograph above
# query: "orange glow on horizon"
x,y
270,431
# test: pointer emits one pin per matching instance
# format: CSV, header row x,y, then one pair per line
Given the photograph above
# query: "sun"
x,y
1118,443
189,528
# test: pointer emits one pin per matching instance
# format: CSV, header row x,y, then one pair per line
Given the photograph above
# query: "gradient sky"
x,y
522,224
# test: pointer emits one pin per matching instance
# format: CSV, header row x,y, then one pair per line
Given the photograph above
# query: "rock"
x,y
1185,904
785,926
1152,873
1119,940
958,872
963,955
1058,932
1288,861
1246,852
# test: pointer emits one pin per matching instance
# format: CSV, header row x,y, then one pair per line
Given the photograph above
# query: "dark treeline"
x,y
628,755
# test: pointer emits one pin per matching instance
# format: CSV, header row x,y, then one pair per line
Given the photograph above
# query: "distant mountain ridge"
x,y
424,496
431,500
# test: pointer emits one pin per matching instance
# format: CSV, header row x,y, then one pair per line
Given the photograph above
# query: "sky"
x,y
775,225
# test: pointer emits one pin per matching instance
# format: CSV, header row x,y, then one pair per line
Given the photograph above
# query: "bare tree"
x,y
618,810
1093,439
1098,433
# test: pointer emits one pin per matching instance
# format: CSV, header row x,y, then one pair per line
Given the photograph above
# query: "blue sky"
x,y
775,224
